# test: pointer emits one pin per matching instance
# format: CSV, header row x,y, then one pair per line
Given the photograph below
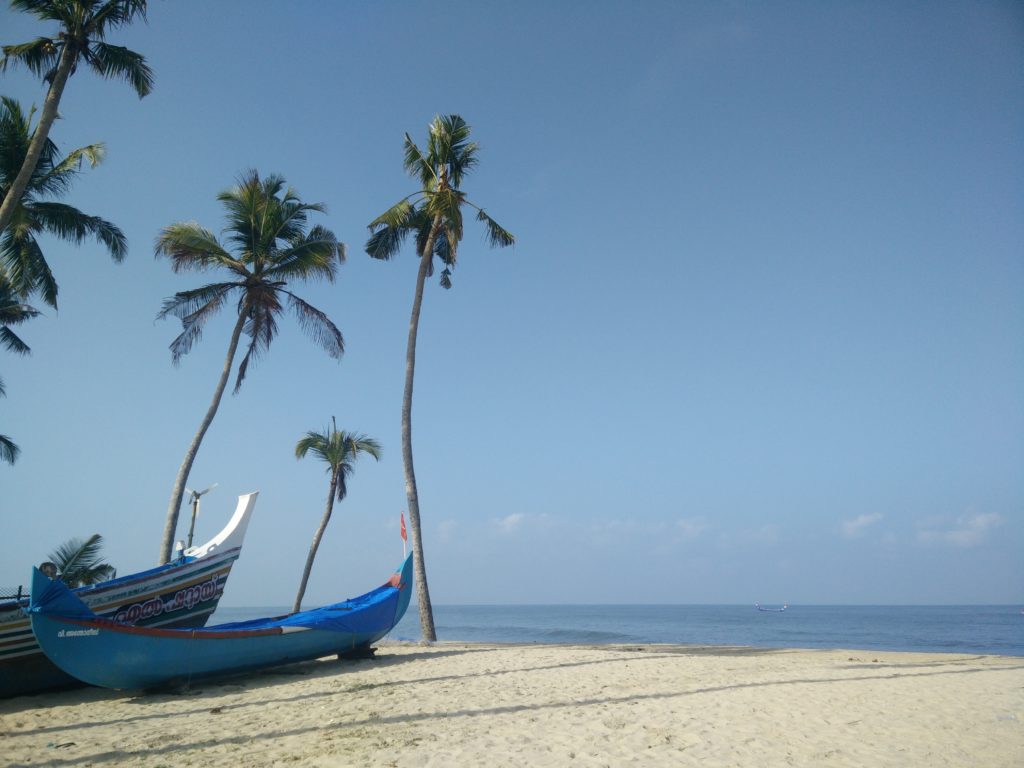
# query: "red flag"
x,y
405,536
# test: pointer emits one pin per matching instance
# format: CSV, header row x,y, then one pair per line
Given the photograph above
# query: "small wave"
x,y
585,636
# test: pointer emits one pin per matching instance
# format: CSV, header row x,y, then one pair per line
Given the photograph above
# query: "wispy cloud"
x,y
691,527
446,530
511,523
852,529
970,530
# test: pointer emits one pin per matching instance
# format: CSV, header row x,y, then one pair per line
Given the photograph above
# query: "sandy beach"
x,y
487,705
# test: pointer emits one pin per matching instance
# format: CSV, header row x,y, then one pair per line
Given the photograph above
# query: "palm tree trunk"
x,y
35,148
171,523
316,540
412,495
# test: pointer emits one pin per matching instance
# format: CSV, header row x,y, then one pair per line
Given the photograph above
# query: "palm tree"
x,y
12,312
21,256
82,38
266,226
78,562
339,450
434,215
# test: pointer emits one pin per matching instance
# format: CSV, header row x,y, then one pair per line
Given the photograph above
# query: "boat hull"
x,y
183,593
105,653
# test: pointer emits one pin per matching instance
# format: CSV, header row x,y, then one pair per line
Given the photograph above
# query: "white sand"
x,y
477,705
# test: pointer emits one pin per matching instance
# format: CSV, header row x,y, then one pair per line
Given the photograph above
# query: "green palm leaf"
x,y
498,236
8,450
38,56
115,62
79,561
21,257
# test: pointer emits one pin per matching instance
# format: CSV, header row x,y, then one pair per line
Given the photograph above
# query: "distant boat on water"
x,y
771,610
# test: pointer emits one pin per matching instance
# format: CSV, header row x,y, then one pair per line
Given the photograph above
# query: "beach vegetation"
x,y
37,211
339,450
79,562
267,246
433,215
81,40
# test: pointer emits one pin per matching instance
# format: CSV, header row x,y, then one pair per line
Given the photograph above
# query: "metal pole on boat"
x,y
194,501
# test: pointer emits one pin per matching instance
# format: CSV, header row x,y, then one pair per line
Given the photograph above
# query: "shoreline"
x,y
544,704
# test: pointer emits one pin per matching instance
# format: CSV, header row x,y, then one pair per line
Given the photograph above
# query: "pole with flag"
x,y
405,536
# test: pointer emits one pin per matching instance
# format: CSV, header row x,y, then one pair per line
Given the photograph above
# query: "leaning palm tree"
x,y
12,312
36,212
82,38
266,227
433,214
79,563
339,450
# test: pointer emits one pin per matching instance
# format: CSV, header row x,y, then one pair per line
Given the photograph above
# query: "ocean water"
x,y
950,629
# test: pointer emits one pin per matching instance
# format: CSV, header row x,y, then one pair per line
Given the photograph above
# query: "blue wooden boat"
x,y
107,653
182,593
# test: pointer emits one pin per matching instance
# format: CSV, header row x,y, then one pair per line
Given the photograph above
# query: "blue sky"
x,y
760,337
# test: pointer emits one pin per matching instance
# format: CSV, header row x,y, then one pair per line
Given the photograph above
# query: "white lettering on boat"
x,y
186,598
77,632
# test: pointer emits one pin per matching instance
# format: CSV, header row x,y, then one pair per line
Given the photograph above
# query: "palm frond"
x,y
69,223
78,561
8,450
116,13
192,247
115,62
194,308
318,326
447,204
385,242
417,165
24,266
497,236
71,165
9,340
398,215
260,327
450,146
391,228
39,56
313,255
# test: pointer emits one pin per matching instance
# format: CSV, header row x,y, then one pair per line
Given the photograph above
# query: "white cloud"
x,y
511,523
970,530
856,527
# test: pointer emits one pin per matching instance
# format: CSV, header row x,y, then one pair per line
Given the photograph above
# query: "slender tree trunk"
x,y
316,540
419,566
42,133
171,523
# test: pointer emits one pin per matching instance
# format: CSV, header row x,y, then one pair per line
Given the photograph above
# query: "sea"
x,y
972,629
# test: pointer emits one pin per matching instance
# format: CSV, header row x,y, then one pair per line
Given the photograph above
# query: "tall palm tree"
x,y
339,450
266,227
79,563
82,38
12,312
21,256
434,215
